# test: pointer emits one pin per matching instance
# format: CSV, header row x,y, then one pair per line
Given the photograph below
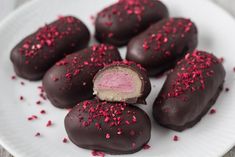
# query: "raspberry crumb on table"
x,y
97,153
175,138
212,111
146,146
49,123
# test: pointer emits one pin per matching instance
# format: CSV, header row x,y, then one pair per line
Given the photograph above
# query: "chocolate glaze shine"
x,y
162,44
69,81
36,53
189,91
114,128
118,23
146,85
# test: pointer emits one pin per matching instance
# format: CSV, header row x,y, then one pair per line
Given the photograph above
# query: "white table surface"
x,y
10,5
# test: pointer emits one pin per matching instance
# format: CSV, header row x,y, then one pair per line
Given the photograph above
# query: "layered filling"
x,y
117,84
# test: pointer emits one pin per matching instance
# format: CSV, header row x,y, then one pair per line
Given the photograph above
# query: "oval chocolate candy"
x,y
189,91
118,23
123,81
36,53
115,128
69,81
162,44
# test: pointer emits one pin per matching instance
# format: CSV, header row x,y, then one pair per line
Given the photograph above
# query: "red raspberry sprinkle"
x,y
106,119
21,98
37,134
175,138
30,118
134,119
145,46
43,96
127,122
86,63
97,153
119,132
33,117
107,136
43,112
49,123
38,102
146,146
212,111
65,140
13,77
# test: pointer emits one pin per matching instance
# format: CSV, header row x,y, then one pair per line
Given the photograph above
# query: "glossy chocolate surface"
x,y
118,23
191,88
36,53
162,44
69,81
115,128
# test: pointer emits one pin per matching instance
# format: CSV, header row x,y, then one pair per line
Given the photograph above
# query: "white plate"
x,y
6,7
212,137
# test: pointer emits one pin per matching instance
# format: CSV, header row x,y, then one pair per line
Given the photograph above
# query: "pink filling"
x,y
120,81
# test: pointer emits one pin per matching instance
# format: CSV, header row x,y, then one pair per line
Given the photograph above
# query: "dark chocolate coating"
x,y
146,85
114,128
36,53
69,81
189,91
163,44
118,23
